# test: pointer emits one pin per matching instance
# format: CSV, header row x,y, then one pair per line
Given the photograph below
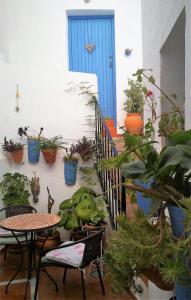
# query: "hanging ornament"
x,y
17,98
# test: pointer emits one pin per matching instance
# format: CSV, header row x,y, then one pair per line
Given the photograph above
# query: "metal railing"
x,y
110,180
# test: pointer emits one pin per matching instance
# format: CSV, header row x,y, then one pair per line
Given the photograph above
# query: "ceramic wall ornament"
x,y
90,48
17,98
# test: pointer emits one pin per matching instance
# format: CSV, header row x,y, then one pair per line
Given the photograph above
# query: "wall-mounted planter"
x,y
134,123
33,151
17,156
70,171
49,155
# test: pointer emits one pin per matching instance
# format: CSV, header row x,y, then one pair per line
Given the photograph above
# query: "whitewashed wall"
x,y
158,19
35,33
44,101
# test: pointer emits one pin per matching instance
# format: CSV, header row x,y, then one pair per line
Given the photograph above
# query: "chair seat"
x,y
10,240
70,255
8,233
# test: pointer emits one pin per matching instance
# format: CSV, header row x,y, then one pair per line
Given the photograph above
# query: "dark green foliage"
x,y
14,189
139,244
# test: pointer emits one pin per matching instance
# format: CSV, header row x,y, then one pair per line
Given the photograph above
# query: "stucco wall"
x,y
35,33
158,19
44,102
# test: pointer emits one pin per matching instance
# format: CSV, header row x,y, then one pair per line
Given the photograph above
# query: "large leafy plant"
x,y
14,188
52,143
85,206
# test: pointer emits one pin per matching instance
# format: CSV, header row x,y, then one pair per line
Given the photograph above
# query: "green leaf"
x,y
151,79
133,169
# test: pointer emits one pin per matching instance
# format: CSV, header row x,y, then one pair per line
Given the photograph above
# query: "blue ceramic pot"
x,y
183,292
143,202
33,151
70,170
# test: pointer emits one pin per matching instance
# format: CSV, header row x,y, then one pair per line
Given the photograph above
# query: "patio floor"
x,y
70,291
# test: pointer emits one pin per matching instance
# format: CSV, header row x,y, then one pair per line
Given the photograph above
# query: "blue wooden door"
x,y
91,50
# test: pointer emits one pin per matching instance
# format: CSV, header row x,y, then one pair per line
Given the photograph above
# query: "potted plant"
x,y
33,144
70,165
49,148
133,105
145,246
14,188
85,208
48,238
14,148
85,147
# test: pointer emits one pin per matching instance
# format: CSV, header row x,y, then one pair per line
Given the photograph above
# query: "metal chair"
x,y
6,237
72,255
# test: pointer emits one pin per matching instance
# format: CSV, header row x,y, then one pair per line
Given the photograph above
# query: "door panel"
x,y
98,32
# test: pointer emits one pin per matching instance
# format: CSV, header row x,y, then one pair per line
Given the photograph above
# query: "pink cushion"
x,y
71,255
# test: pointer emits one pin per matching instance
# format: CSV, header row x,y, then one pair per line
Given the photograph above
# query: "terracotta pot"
x,y
154,276
134,123
17,156
49,155
51,241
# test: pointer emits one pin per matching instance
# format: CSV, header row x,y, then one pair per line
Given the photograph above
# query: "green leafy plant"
x,y
11,146
14,189
85,206
135,97
140,246
70,153
52,143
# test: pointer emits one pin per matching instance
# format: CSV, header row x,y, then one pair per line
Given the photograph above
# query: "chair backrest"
x,y
15,210
92,247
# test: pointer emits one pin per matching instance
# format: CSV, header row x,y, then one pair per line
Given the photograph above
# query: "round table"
x,y
28,223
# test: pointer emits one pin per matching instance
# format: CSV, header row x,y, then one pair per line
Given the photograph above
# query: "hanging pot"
x,y
33,151
17,156
49,155
134,123
177,217
70,170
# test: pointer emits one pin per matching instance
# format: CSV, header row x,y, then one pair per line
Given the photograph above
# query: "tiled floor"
x,y
70,291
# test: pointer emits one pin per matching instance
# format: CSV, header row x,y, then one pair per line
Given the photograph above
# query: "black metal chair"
x,y
6,237
88,248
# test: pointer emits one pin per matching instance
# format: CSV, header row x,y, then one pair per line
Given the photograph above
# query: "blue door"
x,y
91,50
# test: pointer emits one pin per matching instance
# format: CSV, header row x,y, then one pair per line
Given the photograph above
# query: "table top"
x,y
30,222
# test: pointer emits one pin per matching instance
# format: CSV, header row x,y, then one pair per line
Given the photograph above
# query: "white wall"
x,y
34,32
158,19
44,102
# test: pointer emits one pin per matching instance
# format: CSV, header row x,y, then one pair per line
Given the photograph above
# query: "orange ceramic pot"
x,y
17,156
134,123
49,155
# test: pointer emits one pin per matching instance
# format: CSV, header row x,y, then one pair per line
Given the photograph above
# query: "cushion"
x,y
4,233
71,255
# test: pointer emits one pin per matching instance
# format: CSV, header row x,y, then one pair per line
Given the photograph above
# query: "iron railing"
x,y
110,180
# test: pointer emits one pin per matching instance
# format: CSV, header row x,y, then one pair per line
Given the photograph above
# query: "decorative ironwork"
x,y
110,180
90,48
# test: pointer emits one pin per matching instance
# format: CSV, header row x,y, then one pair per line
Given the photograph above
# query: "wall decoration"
x,y
90,48
17,98
128,51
